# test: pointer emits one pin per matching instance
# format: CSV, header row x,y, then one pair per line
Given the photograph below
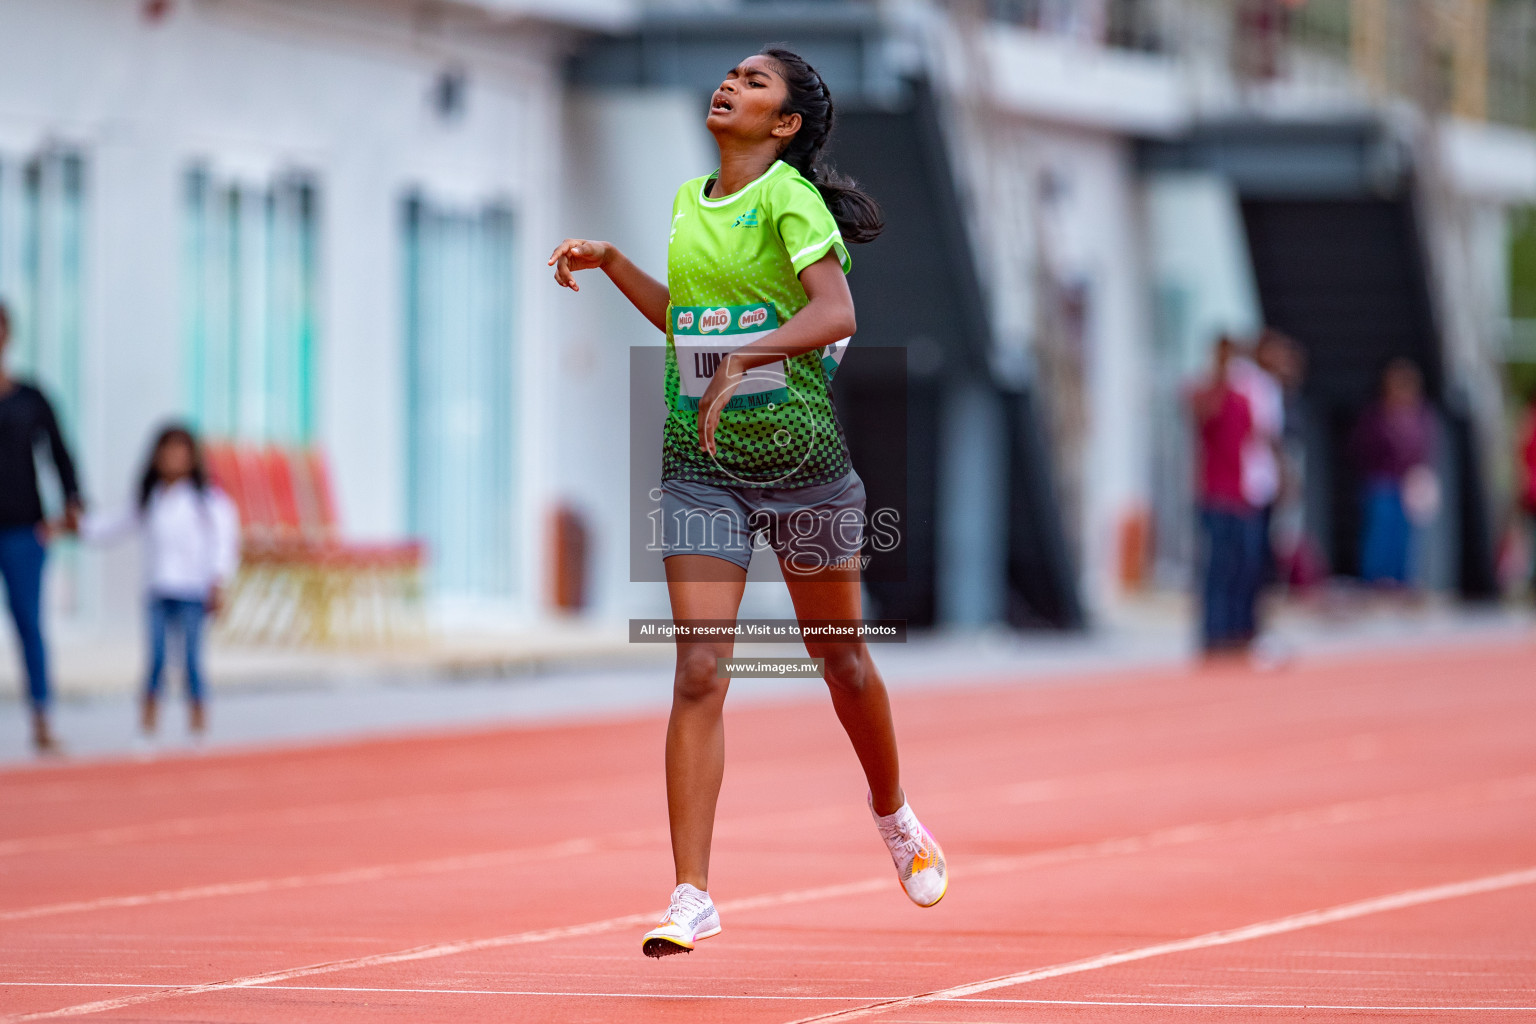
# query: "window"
x,y
250,307
42,227
458,349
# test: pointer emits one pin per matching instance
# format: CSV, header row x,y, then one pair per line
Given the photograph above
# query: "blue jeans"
x,y
1387,535
167,615
1234,558
21,563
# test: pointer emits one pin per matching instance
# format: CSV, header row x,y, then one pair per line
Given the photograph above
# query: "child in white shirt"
x,y
191,536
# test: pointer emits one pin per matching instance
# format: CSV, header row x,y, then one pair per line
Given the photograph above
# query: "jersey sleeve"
x,y
805,225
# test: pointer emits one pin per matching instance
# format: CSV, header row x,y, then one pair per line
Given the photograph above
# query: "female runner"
x,y
757,312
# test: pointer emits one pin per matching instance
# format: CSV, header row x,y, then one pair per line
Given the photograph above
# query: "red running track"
x,y
1350,839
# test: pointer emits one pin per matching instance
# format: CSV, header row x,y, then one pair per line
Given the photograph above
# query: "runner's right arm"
x,y
647,294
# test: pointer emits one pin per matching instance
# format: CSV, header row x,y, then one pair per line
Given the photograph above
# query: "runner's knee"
x,y
697,678
846,667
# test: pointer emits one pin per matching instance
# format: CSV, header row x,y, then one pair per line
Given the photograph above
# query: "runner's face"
x,y
749,104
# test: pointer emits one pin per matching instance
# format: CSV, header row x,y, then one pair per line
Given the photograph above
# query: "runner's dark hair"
x,y
169,433
858,216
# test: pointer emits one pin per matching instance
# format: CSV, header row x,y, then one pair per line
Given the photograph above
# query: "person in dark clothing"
x,y
26,419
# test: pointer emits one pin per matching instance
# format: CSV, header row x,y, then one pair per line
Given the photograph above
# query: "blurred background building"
x,y
323,224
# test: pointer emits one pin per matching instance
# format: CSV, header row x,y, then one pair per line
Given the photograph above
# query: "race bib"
x,y
704,335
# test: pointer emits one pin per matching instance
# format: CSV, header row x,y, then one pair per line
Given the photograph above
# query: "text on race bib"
x,y
704,335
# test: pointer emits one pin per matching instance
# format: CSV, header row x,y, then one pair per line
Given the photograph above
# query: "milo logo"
x,y
752,317
685,320
714,320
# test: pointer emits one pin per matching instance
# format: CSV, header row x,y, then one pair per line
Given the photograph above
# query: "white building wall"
x,y
254,88
1120,368
1090,234
1032,114
615,197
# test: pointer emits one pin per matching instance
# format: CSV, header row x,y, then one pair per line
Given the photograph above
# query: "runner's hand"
x,y
575,254
727,378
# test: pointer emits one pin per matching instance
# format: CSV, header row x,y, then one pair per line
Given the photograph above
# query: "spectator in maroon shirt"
x,y
1231,527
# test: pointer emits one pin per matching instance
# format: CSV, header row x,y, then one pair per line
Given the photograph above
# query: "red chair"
x,y
302,583
262,597
312,481
220,459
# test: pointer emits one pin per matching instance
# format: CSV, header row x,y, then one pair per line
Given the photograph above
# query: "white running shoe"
x,y
918,858
690,916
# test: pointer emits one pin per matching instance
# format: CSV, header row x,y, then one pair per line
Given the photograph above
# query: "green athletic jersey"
x,y
733,268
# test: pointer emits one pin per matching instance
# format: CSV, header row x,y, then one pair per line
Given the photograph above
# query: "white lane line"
x,y
177,828
1237,1006
777,997
324,814
369,990
1351,811
1030,791
1231,1006
442,949
466,862
1247,933
419,953
1514,787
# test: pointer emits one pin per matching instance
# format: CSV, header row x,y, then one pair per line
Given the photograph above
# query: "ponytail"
x,y
858,216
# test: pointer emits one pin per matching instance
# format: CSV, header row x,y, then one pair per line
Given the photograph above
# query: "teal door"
x,y
250,307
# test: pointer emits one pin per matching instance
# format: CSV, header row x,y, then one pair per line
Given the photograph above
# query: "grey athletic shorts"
x,y
808,527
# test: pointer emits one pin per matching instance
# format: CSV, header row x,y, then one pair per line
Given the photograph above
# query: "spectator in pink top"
x,y
1230,525
1393,446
